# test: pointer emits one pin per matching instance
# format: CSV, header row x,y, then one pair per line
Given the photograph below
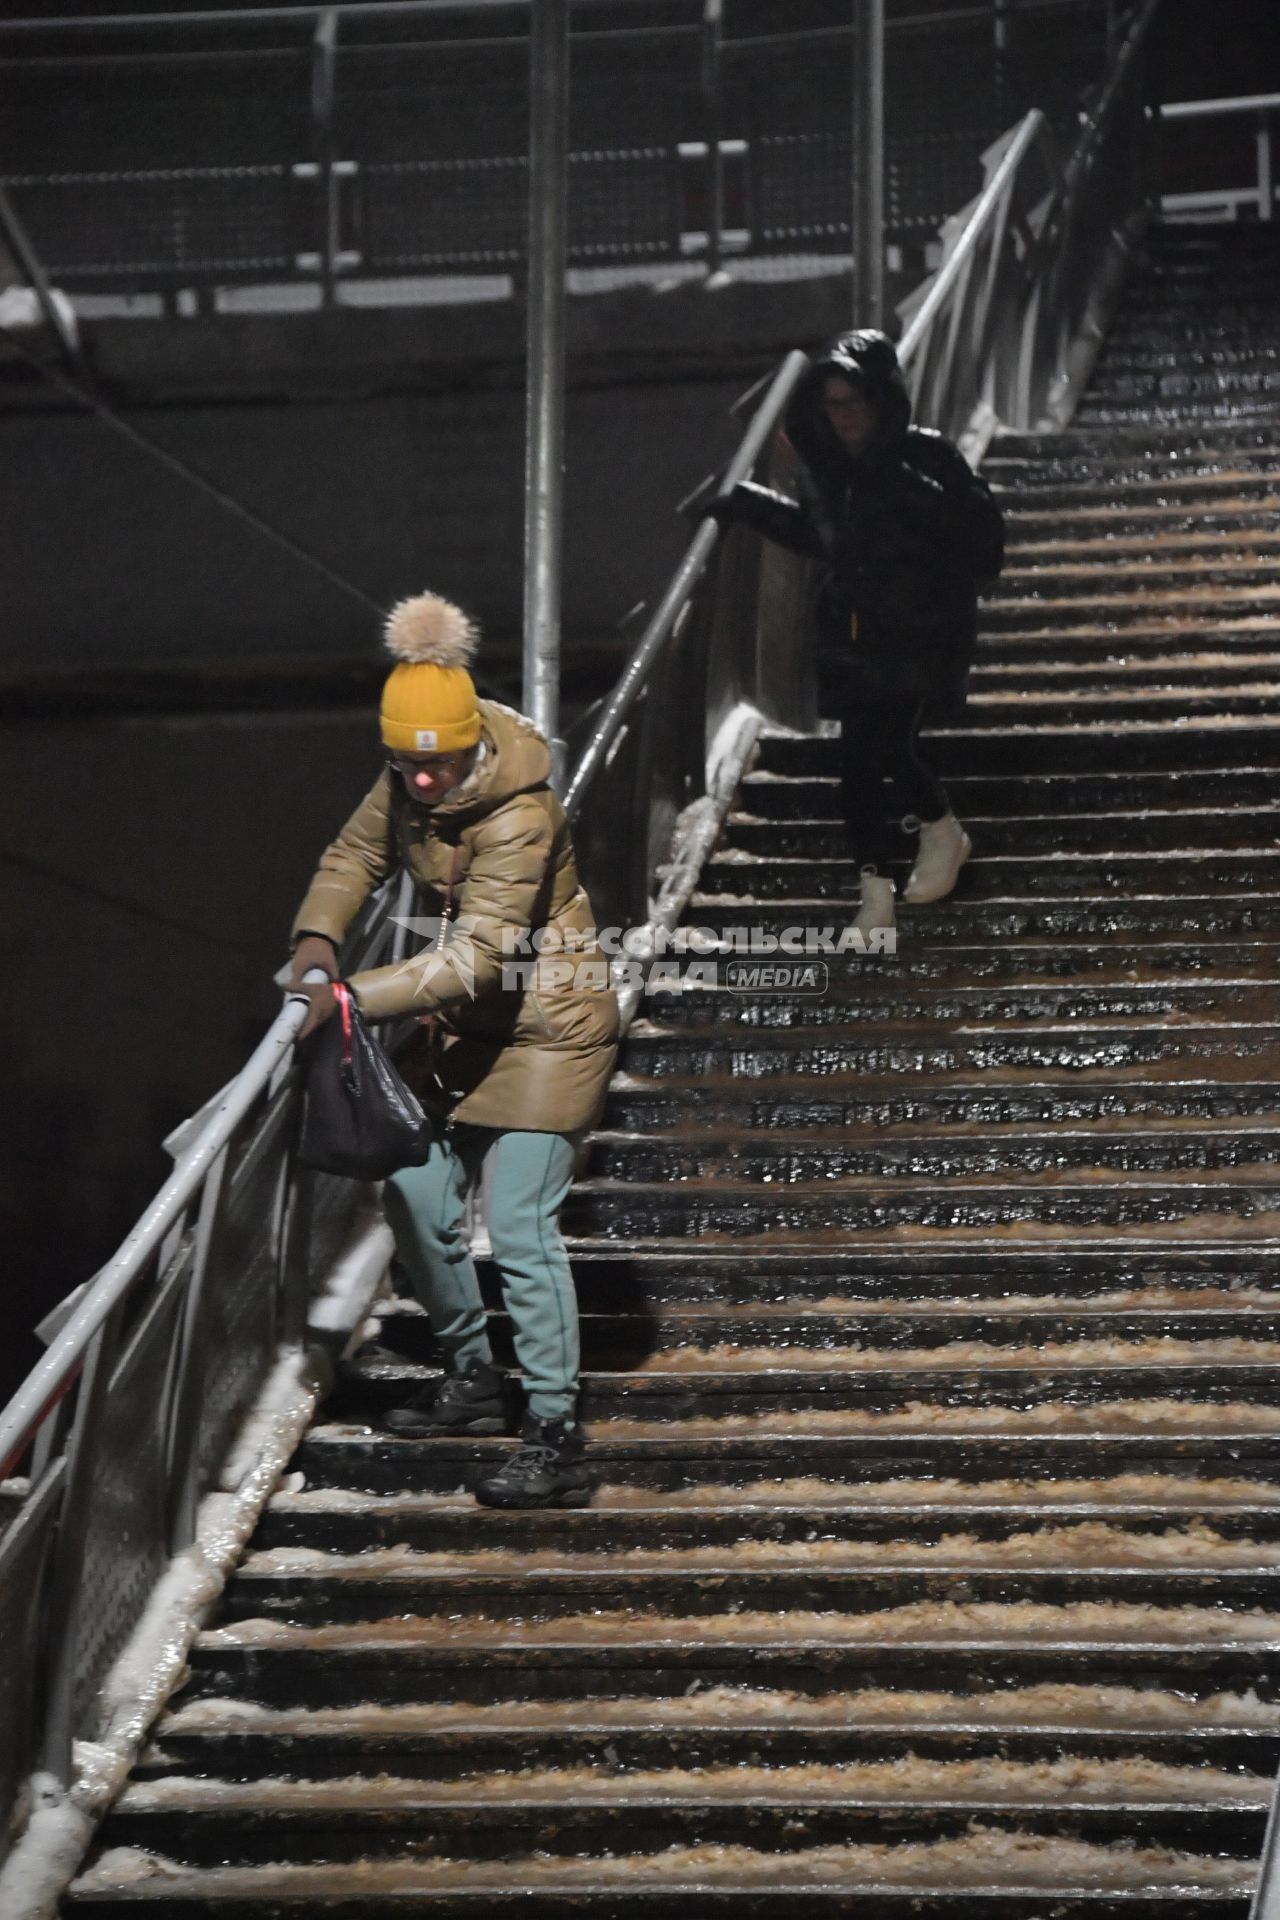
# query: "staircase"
x,y
932,1322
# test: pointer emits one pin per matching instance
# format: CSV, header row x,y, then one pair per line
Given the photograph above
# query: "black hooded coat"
x,y
906,532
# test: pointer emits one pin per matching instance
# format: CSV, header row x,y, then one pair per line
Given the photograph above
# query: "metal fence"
x,y
126,1423
329,162
1219,158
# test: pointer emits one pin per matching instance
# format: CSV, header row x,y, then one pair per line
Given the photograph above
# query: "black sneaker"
x,y
470,1402
547,1471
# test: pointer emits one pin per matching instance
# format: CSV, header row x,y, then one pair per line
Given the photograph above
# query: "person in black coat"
x,y
907,533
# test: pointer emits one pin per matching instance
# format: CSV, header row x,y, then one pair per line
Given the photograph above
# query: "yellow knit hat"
x,y
429,701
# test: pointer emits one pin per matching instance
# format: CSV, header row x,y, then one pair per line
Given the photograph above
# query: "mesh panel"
x,y
184,223
624,204
932,175
802,188
22,1556
335,1203
239,1330
428,213
474,213
126,1540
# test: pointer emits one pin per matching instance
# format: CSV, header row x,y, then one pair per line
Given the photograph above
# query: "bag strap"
x,y
342,995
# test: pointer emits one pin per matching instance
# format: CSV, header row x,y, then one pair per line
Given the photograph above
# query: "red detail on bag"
x,y
343,998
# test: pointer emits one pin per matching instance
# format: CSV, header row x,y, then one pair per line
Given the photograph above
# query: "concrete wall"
x,y
108,558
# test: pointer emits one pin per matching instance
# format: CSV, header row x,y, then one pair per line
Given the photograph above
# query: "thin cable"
x,y
134,909
110,418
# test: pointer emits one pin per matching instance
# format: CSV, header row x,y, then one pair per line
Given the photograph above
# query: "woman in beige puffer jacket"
x,y
515,1054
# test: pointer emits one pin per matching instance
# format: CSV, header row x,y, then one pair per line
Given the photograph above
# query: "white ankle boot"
x,y
876,921
944,848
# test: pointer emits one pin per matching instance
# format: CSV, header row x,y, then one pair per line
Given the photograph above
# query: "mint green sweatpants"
x,y
528,1176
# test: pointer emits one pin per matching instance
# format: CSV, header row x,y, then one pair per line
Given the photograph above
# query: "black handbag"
x,y
360,1119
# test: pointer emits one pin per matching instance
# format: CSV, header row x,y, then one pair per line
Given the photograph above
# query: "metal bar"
x,y
544,426
324,61
29,261
1213,109
291,1231
1266,1899
712,34
868,163
985,209
1002,36
192,1362
680,588
1266,188
48,1380
66,1586
376,9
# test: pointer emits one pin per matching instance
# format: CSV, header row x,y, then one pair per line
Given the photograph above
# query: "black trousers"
x,y
883,777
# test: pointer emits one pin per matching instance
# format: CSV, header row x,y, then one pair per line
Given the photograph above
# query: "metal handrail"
x,y
1220,109
1031,131
53,1376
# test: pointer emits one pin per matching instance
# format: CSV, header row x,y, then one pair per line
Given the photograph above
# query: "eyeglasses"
x,y
409,763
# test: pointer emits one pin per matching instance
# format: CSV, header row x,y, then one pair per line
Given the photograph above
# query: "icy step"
x,y
1184,1312
970,1878
1169,830
1015,797
1117,1046
905,1451
215,1823
715,1726
1107,746
965,1101
1115,870
1060,1567
945,1646
841,1154
1156,1513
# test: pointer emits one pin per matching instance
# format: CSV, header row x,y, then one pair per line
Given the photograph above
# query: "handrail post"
x,y
868,163
712,100
544,441
193,1359
66,1584
324,63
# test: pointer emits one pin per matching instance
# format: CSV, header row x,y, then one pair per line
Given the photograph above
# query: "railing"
x,y
125,1423
340,147
1254,113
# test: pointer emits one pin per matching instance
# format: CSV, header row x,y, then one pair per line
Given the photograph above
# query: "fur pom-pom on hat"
x,y
429,700
428,630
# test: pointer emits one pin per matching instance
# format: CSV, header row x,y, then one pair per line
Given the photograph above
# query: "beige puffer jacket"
x,y
535,1055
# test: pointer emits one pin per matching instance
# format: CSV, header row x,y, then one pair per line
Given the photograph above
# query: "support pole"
x,y
712,29
868,163
544,420
1002,88
324,62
